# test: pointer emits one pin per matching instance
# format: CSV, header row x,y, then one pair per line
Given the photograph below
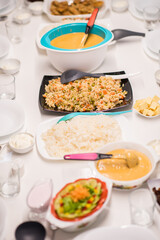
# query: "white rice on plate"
x,y
81,134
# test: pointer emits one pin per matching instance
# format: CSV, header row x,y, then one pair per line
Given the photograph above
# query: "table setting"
x,y
79,125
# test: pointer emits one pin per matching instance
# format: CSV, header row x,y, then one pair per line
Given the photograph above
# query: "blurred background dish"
x,y
22,16
10,65
12,116
58,18
126,232
36,8
9,8
140,4
152,40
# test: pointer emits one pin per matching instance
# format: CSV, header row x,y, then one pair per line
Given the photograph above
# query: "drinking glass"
x,y
151,16
9,179
7,86
142,205
14,31
39,197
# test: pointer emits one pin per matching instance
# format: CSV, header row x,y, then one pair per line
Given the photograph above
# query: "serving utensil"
x,y
122,33
30,231
130,158
73,74
89,27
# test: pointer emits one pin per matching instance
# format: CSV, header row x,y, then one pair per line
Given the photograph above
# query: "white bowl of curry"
x,y
118,172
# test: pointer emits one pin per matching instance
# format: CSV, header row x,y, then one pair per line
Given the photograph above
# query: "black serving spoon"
x,y
122,33
30,231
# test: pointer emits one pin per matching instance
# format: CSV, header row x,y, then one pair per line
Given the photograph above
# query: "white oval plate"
x,y
12,117
153,40
44,126
141,4
4,46
128,232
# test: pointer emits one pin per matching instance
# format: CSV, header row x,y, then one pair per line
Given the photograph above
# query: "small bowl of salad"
x,y
77,205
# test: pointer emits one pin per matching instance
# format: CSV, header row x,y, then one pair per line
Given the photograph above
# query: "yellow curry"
x,y
73,40
117,169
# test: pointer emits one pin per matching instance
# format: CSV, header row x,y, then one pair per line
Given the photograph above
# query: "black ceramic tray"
x,y
127,104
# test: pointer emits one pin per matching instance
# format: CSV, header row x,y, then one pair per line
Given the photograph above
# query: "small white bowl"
x,y
36,8
22,16
10,66
148,151
22,142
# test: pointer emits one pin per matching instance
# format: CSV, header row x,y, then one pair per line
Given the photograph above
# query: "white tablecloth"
x,y
127,55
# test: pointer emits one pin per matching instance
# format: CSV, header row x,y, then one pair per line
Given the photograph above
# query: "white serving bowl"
x,y
36,8
148,151
22,16
17,144
82,224
86,59
10,66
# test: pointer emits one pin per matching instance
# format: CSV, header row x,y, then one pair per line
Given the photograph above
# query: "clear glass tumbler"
x,y
7,86
151,16
142,205
14,31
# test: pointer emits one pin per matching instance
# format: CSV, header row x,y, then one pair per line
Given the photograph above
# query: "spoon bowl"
x,y
30,231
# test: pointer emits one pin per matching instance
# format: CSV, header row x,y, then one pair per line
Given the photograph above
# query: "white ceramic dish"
x,y
54,18
141,4
81,224
150,117
134,11
36,8
10,65
148,151
119,6
12,116
4,4
22,16
128,232
44,126
9,8
17,145
5,45
154,183
152,40
3,218
148,52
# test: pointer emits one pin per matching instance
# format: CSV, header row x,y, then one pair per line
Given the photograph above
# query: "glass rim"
x,y
142,190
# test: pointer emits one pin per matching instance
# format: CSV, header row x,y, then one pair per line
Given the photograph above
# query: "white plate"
x,y
141,4
44,126
4,4
153,40
148,51
4,46
134,11
128,232
3,217
45,27
9,8
154,183
54,18
12,117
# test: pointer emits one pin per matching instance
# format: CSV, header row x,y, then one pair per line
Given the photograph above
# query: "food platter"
x,y
44,126
58,18
126,86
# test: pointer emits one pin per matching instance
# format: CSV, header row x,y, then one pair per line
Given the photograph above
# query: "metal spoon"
x,y
73,74
30,231
122,33
130,158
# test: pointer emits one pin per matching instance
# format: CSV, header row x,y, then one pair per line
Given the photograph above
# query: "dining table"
x,y
126,55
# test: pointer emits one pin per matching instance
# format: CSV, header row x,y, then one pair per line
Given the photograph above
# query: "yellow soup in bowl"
x,y
117,169
73,40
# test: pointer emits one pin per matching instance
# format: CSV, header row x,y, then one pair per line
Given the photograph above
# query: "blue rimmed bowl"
x,y
86,59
